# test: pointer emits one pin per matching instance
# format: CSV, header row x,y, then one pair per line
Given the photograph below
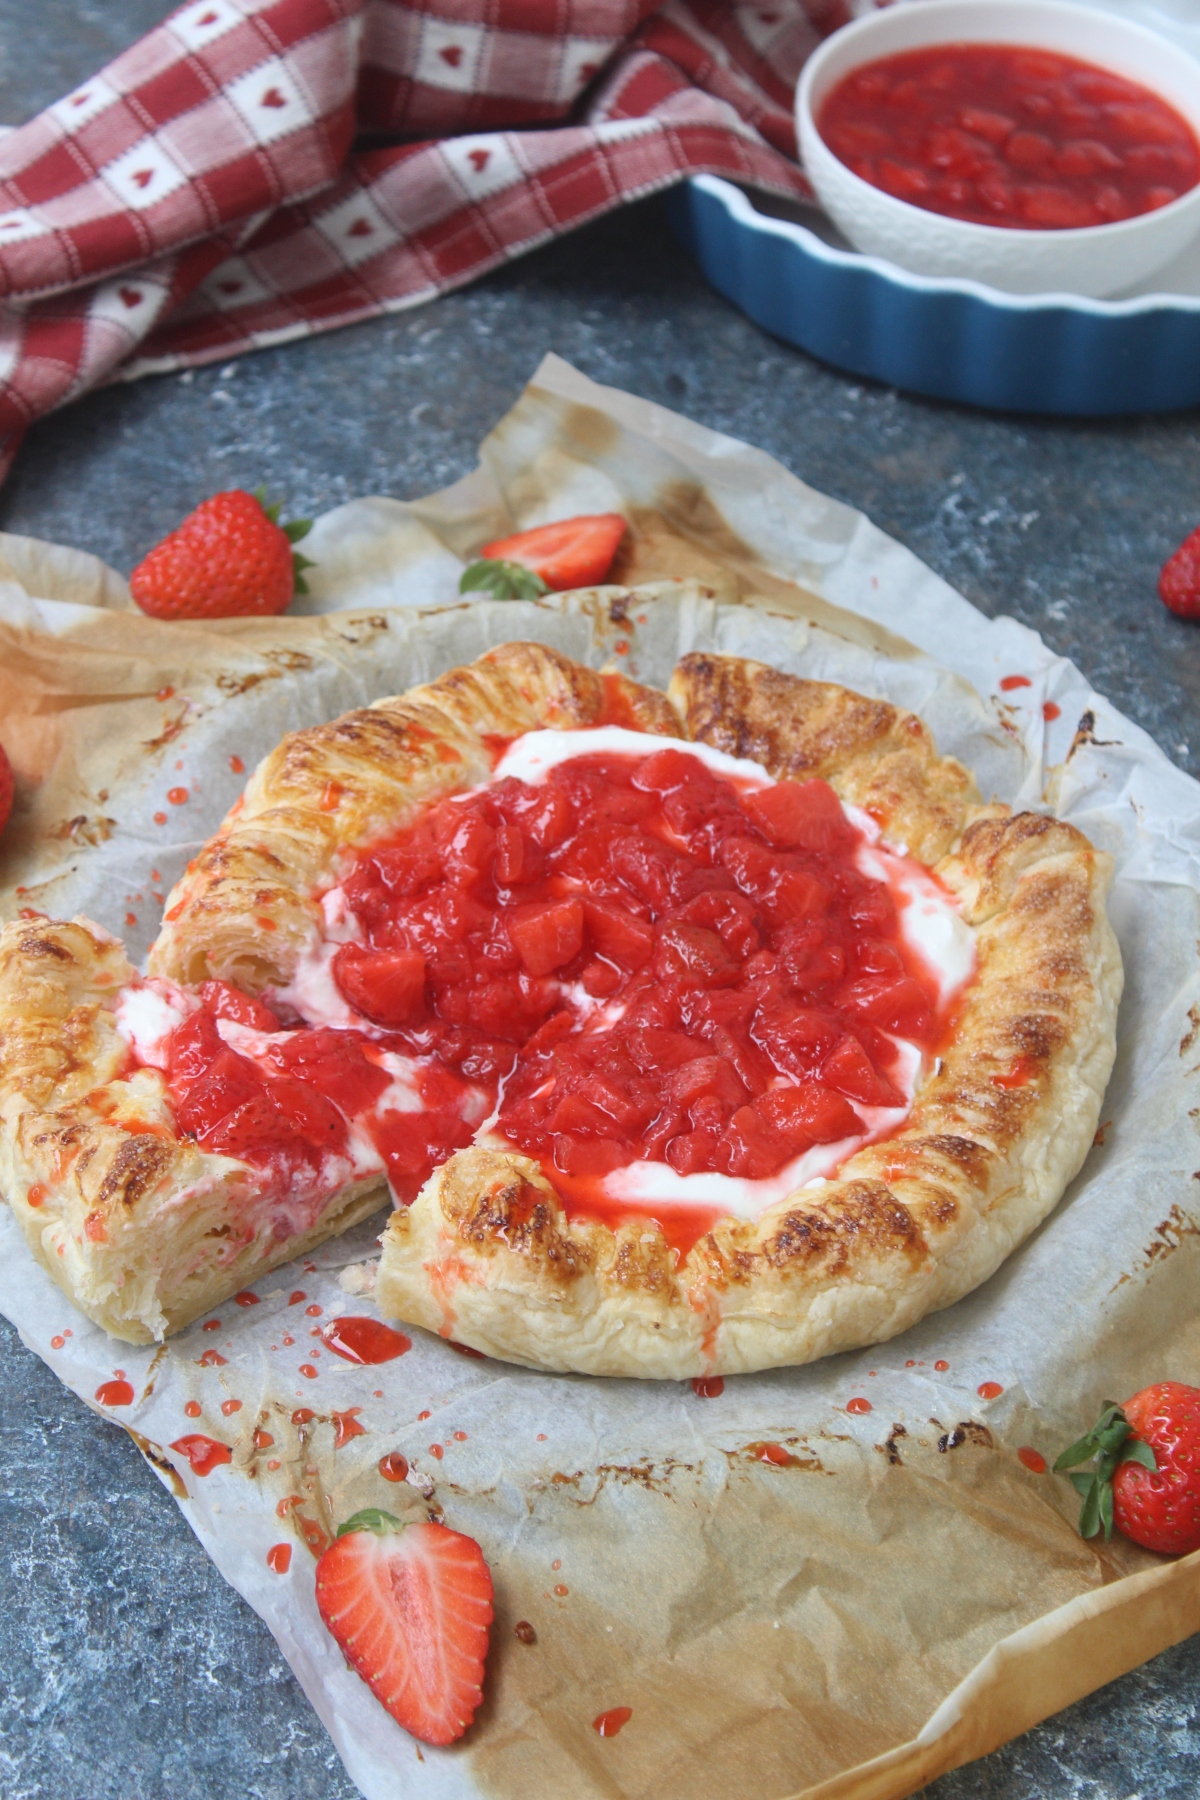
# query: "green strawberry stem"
x,y
1110,1442
503,580
371,1518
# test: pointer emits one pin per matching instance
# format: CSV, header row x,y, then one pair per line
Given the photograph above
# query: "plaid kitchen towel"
x,y
256,170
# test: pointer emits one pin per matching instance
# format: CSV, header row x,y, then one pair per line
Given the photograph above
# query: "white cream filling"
x,y
148,1013
531,757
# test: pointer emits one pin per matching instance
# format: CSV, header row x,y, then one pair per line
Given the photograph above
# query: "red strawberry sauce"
x,y
1001,135
639,958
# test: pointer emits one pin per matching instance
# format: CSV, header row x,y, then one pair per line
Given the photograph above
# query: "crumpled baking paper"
x,y
893,1591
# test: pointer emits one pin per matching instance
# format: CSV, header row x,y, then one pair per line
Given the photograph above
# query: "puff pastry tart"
x,y
693,1033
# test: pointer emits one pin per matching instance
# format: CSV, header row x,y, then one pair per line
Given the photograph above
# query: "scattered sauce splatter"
x,y
942,1364
331,797
262,1439
165,693
561,1589
297,1297
212,1325
1033,1459
36,1194
774,1454
557,1563
204,1453
212,1359
541,1437
192,1408
131,918
858,1405
911,1363
230,1406
393,1466
1019,1076
362,1340
246,1298
115,1393
308,1372
708,1386
314,1312
178,796
237,765
460,1437
465,1350
303,1415
988,1390
525,1632
424,1415
1009,682
1051,711
286,1504
160,818
56,1343
609,1723
279,1558
273,1464
346,1426
288,1341
436,1450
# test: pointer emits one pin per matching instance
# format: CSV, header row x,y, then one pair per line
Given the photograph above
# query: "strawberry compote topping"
x,y
679,985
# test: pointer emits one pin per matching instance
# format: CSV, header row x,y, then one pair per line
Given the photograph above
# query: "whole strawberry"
x,y
6,788
229,559
1179,581
1146,1479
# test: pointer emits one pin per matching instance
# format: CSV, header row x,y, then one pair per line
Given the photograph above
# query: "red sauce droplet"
x,y
178,796
314,1312
460,1437
1019,1076
858,1405
212,1359
246,1298
465,1349
192,1408
561,1589
1033,1459
393,1466
279,1558
424,1415
1051,711
165,693
204,1453
1004,135
36,1194
943,1365
362,1340
541,1436
56,1343
115,1393
211,1325
308,1372
262,1439
237,765
331,797
988,1390
131,918
286,1504
436,1450
1009,682
160,818
346,1426
230,1406
303,1415
274,1464
288,1342
557,1563
609,1723
774,1454
708,1386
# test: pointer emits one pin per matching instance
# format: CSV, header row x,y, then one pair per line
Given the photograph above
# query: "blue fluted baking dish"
x,y
953,340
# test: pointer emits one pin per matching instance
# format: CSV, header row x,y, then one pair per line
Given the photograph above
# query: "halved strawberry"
x,y
410,1607
572,553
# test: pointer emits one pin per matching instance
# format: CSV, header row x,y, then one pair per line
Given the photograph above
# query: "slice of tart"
x,y
692,1033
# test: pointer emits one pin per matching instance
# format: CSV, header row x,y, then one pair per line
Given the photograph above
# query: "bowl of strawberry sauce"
x,y
1035,147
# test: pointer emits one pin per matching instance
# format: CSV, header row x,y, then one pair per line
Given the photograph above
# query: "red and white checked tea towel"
x,y
256,170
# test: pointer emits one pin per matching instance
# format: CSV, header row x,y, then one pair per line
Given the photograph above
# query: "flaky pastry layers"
x,y
144,1230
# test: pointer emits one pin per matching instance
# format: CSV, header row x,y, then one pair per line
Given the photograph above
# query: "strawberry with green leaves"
x,y
1146,1474
410,1607
230,559
572,553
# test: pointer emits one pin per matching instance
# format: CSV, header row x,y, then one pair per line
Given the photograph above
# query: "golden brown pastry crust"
x,y
486,1254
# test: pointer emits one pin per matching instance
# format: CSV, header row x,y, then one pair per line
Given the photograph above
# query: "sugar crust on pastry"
x,y
144,1230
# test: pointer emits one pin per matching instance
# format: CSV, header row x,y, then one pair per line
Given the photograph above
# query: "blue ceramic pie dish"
x,y
952,340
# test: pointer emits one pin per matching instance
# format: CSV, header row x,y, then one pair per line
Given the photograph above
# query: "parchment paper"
x,y
903,1594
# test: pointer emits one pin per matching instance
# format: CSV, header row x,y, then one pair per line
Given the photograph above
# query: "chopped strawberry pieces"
x,y
410,1607
572,553
385,986
547,934
225,1002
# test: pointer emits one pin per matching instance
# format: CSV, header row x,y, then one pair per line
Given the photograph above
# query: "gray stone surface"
x,y
128,1668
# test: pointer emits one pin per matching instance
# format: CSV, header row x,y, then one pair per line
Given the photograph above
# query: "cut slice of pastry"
x,y
694,1033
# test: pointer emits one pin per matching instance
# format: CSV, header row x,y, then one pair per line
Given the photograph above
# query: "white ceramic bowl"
x,y
1095,260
